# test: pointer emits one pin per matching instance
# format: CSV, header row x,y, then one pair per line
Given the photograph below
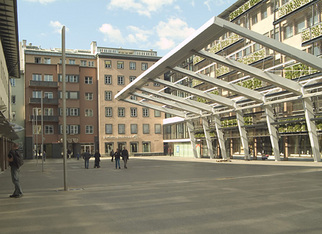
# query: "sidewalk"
x,y
164,195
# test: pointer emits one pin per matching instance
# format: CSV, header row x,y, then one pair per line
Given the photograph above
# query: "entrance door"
x,y
109,146
134,147
89,148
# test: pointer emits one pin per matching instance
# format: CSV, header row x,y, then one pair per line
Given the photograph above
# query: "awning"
x,y
6,129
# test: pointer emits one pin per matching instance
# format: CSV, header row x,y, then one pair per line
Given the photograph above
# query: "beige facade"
x,y
122,124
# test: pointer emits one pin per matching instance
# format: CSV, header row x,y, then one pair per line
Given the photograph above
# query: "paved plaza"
x,y
165,195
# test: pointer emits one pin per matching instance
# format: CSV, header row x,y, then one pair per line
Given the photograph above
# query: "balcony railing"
x,y
47,84
243,9
50,101
291,6
312,33
46,118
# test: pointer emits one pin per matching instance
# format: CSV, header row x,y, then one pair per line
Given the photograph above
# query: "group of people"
x,y
117,156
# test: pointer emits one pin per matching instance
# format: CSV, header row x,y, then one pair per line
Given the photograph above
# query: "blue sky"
x,y
134,24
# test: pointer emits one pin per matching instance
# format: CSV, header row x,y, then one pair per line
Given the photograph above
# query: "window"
x,y
36,94
132,65
83,63
254,19
108,128
157,128
47,60
89,113
134,112
146,128
61,129
37,60
13,115
73,78
145,112
89,96
157,113
120,80
144,66
13,99
146,146
73,95
73,129
121,112
108,95
132,78
88,80
288,31
107,79
264,12
49,95
13,82
72,61
74,112
134,128
48,111
49,129
91,63
300,25
120,65
108,112
36,77
121,128
108,63
48,78
132,97
89,129
156,84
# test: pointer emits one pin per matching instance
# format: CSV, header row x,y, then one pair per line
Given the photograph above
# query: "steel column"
x,y
191,131
242,133
272,132
205,125
220,136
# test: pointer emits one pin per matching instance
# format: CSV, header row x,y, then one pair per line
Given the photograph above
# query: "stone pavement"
x,y
165,195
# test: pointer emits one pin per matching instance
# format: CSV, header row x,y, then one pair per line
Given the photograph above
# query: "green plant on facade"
x,y
221,71
312,33
216,92
203,100
298,70
243,8
291,6
253,83
197,59
223,44
233,122
196,82
257,55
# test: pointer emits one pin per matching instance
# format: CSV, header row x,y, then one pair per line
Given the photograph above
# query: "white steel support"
x,y
220,136
205,125
272,131
191,131
311,127
243,133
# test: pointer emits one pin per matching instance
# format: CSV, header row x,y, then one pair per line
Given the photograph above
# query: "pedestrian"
x,y
13,163
86,157
97,156
44,155
117,157
112,155
77,155
125,156
68,153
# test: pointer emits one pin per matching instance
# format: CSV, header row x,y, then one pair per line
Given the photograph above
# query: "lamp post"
x,y
64,108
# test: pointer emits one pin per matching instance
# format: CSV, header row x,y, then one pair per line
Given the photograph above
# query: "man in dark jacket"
x,y
86,157
97,156
125,156
14,171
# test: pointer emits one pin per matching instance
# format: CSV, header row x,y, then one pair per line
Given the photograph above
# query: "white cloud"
x,y
138,35
57,26
112,34
172,32
41,1
215,3
142,7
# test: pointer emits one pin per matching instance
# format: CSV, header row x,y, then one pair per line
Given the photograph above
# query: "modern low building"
x,y
9,68
252,86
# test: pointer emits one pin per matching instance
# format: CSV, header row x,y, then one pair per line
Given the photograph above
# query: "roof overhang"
x,y
6,128
9,35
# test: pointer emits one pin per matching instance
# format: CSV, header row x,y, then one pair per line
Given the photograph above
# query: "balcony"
x,y
46,118
312,33
245,7
48,101
291,6
46,84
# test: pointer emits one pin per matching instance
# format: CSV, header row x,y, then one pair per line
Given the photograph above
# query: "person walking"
x,y
125,157
97,156
86,157
117,157
13,163
112,155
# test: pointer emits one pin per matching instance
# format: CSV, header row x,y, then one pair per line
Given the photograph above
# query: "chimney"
x,y
94,47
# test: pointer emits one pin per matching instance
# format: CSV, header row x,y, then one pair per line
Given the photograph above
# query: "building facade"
x,y
296,23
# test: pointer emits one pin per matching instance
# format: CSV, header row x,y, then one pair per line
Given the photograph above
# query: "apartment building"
x,y
43,100
230,120
139,129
